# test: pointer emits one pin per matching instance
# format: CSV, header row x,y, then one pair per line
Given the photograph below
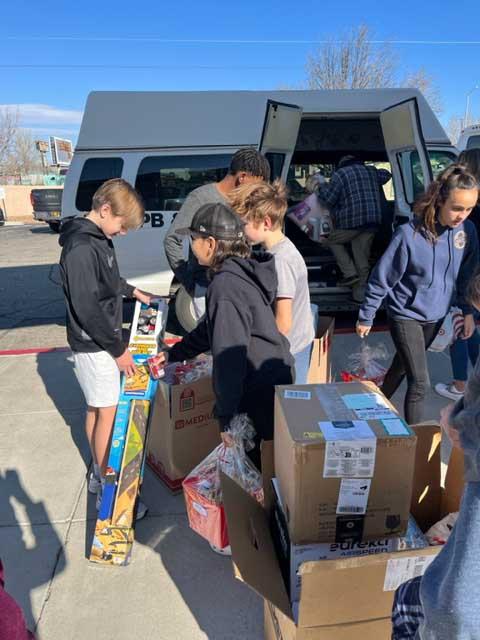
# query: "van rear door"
x,y
279,136
402,132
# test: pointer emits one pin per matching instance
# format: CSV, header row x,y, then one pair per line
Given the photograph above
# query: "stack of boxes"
x,y
339,539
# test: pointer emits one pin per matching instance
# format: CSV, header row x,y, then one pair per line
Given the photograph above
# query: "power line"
x,y
68,38
136,67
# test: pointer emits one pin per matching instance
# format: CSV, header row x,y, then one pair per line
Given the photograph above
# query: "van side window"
x,y
165,181
95,172
473,142
439,161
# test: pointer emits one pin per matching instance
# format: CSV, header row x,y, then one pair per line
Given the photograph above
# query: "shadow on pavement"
x,y
27,556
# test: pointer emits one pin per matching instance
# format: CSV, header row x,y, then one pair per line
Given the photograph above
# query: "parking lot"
x,y
175,587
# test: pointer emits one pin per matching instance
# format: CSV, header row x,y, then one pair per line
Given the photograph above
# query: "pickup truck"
x,y
47,206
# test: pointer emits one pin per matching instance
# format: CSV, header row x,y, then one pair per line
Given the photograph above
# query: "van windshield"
x,y
165,181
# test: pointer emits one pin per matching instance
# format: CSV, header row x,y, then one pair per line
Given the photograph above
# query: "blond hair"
x,y
124,202
255,201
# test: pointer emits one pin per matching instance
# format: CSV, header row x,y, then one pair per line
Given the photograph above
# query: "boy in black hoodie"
x,y
93,292
250,356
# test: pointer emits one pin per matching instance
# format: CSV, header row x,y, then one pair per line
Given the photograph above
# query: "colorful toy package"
x,y
114,530
365,365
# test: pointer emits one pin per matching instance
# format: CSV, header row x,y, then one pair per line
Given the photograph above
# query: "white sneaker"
x,y
94,483
142,510
448,391
226,551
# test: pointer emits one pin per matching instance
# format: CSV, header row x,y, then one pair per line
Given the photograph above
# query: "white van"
x,y
469,138
168,143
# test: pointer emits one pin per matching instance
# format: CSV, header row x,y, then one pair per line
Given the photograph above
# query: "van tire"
x,y
184,310
54,226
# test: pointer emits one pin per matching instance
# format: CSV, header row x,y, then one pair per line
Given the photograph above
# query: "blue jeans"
x,y
460,352
302,364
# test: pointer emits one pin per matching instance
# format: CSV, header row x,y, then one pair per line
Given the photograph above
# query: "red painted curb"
x,y
24,352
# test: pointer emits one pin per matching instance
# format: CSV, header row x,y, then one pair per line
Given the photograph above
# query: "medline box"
x,y
320,370
344,461
343,598
183,429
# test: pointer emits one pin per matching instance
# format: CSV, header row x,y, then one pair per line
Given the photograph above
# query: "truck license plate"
x,y
55,214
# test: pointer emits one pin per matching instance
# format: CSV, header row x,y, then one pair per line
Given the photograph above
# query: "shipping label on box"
x,y
341,432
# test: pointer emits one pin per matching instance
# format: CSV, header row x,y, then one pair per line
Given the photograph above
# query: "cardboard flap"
x,y
252,547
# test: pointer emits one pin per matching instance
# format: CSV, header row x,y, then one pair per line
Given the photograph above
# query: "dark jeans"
x,y
412,339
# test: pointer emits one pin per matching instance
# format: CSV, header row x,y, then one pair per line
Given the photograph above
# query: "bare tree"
x,y
355,61
454,128
24,158
352,63
421,80
8,129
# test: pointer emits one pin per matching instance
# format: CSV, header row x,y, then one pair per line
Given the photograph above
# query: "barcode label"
x,y
353,496
292,394
399,570
350,459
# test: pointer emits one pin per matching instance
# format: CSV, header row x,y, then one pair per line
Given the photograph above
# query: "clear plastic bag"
x,y
187,372
202,489
440,532
366,364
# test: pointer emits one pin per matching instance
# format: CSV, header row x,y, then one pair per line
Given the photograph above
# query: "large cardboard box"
x,y
183,430
320,370
344,462
353,595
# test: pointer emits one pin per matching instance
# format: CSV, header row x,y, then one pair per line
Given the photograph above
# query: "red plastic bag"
x,y
366,365
202,490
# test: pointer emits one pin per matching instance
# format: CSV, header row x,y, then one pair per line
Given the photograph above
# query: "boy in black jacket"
x,y
250,356
93,292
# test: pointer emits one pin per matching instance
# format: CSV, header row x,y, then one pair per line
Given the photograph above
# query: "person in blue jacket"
x,y
426,266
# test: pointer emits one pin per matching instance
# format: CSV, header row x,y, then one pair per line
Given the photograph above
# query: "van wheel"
x,y
54,226
184,310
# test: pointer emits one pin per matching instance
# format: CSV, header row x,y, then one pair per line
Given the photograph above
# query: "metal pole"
x,y
467,106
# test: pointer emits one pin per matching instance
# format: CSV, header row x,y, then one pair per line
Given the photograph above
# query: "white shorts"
x,y
99,377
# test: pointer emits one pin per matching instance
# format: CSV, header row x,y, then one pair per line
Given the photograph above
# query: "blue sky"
x,y
114,40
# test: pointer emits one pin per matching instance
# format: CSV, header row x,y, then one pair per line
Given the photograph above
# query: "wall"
x,y
17,202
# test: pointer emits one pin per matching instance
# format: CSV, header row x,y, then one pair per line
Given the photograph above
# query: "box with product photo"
x,y
148,326
320,370
348,597
344,461
183,429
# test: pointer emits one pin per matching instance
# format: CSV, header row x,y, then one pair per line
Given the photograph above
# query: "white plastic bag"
x,y
312,217
449,331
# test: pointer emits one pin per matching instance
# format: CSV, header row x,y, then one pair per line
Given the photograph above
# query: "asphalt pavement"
x,y
175,587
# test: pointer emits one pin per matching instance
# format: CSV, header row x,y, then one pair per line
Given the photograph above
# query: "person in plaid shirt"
x,y
353,197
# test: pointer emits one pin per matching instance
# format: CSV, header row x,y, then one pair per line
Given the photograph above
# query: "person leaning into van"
x,y
262,208
247,165
250,356
353,197
427,264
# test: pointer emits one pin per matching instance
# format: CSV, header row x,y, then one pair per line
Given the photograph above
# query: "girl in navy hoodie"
x,y
426,266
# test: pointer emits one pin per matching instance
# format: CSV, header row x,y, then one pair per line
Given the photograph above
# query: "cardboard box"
x,y
344,462
320,370
183,430
347,592
279,627
291,556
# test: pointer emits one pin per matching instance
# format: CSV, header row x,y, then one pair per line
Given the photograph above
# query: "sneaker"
x,y
142,511
448,391
226,551
348,282
94,483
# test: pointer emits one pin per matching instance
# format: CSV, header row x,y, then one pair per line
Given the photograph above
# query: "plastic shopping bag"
x,y
449,331
366,364
202,490
312,217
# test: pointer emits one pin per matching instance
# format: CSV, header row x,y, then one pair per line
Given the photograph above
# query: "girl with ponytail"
x,y
426,267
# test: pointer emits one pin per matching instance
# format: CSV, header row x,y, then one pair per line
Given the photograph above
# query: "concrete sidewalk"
x,y
174,588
